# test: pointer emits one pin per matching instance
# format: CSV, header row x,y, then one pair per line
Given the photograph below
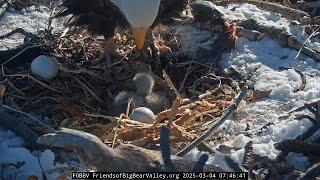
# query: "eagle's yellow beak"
x,y
139,36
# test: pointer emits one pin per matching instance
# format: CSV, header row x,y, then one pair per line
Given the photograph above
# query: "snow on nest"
x,y
11,151
268,56
190,39
265,17
35,163
32,19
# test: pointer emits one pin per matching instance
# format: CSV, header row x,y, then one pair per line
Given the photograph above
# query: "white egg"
x,y
44,67
143,114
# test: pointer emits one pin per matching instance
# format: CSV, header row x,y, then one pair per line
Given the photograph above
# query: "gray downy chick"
x,y
144,96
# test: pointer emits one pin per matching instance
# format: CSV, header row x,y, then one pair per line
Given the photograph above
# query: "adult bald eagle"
x,y
104,16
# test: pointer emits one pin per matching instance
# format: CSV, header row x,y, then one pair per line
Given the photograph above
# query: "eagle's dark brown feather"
x,y
102,16
170,9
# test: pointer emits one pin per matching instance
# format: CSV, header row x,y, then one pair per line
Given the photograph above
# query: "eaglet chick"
x,y
143,96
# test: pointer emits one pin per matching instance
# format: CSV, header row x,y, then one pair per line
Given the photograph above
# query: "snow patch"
x,y
248,11
32,19
262,116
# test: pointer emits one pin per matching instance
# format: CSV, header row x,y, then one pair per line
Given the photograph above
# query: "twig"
x,y
49,26
15,88
177,102
185,77
311,173
119,122
128,107
311,108
26,114
306,136
18,126
305,106
215,125
314,137
18,54
87,89
170,84
20,31
43,84
303,45
42,170
303,79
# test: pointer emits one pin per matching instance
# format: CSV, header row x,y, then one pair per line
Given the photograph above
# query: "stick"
x,y
298,147
305,106
215,125
18,126
303,45
170,84
88,89
303,79
26,114
20,31
18,54
311,173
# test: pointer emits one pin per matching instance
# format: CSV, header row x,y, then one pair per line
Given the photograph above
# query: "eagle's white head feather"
x,y
139,13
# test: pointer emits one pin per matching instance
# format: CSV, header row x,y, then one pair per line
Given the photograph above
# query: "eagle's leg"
x,y
150,52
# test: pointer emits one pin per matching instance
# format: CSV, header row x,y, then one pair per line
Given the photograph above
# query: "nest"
x,y
81,96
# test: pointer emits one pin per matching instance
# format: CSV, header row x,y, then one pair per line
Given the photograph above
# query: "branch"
x,y
311,173
18,126
282,37
285,11
298,147
124,158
